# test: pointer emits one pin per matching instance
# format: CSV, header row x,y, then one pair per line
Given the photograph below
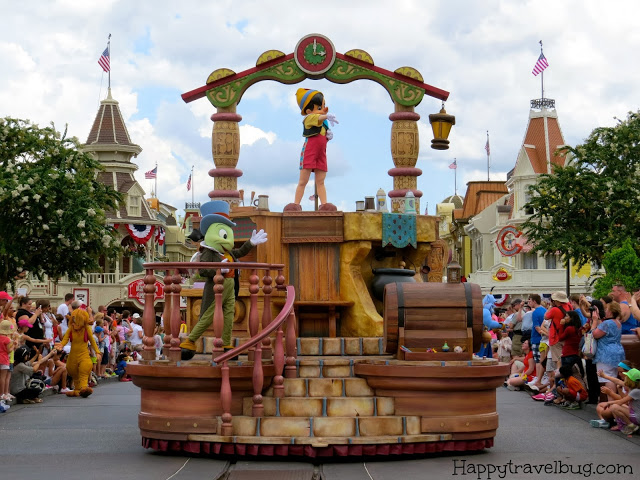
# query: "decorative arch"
x,y
315,57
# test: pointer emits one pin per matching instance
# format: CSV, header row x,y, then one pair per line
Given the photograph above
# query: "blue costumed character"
x,y
488,303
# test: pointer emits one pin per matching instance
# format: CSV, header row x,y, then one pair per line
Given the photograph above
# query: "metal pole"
x,y
455,177
109,47
542,74
488,148
568,285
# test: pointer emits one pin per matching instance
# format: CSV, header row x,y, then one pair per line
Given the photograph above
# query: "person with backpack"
x,y
559,307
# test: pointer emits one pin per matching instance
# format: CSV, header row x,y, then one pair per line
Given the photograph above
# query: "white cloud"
x,y
250,135
482,53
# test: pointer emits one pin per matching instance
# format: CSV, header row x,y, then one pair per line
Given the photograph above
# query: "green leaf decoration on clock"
x,y
315,53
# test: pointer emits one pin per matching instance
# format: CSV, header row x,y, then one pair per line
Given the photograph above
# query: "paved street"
x,y
98,438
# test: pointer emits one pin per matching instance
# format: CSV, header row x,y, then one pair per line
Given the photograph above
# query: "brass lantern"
x,y
453,272
441,124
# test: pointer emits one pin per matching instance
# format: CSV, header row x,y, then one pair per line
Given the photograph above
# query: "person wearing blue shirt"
x,y
629,322
580,306
536,322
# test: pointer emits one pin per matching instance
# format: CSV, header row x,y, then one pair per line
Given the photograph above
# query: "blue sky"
x,y
482,53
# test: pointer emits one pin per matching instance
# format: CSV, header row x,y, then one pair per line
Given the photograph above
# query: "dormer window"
x,y
134,205
527,199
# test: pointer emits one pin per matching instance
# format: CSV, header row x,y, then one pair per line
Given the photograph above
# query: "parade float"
x,y
349,342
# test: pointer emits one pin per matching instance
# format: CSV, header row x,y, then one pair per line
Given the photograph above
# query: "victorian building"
x,y
501,257
147,229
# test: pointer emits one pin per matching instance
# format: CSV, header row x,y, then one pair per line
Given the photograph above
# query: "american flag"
x,y
540,65
151,173
104,60
189,183
454,165
487,148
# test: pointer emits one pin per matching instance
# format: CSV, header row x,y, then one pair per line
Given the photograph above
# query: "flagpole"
x,y
156,180
542,73
109,48
192,200
455,177
488,156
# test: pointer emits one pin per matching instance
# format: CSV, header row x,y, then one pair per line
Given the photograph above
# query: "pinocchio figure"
x,y
316,133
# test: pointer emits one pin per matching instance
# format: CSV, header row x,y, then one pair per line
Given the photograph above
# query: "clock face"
x,y
315,54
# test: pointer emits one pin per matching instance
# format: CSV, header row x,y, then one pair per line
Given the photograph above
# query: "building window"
x,y
527,199
551,262
134,205
478,254
530,261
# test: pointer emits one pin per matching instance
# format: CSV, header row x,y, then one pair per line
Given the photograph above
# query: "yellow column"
x,y
404,151
225,148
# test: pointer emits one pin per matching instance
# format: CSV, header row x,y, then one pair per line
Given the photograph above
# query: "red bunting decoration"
x,y
140,233
160,233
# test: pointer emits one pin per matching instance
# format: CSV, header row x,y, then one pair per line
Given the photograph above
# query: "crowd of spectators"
x,y
549,345
30,362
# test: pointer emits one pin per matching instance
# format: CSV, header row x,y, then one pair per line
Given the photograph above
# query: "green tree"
x,y
590,206
52,208
622,266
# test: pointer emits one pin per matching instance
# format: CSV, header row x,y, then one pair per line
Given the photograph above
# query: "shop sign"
x,y
502,275
136,290
507,241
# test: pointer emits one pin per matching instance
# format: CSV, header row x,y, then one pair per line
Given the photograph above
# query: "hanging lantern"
x,y
453,272
441,124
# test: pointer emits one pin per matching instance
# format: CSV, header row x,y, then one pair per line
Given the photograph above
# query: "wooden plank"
x,y
312,227
308,276
434,319
473,435
321,273
439,356
446,403
459,423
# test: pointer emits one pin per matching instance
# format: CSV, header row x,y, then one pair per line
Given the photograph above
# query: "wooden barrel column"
x,y
225,147
404,151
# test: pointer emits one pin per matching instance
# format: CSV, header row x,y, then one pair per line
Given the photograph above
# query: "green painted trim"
x,y
231,93
401,92
289,73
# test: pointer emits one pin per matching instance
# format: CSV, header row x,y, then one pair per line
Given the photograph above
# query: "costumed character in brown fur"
x,y
79,364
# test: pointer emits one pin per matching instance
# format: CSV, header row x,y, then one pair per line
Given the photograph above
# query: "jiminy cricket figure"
x,y
316,133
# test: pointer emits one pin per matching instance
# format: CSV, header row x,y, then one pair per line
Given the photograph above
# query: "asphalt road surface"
x,y
98,438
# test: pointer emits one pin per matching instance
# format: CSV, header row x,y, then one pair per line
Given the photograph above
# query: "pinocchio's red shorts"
x,y
314,153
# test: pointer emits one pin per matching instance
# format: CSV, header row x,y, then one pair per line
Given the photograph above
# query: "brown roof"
x,y
535,137
480,195
108,127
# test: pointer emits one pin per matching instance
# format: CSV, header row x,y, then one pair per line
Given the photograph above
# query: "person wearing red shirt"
x,y
570,334
556,313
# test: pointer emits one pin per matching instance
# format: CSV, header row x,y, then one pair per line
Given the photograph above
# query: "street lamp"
x,y
441,124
